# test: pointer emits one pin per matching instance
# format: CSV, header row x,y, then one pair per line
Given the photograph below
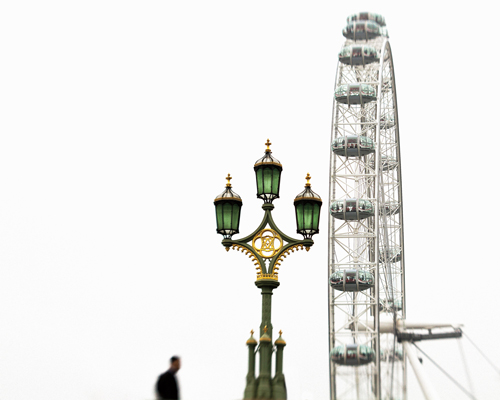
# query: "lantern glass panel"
x,y
308,215
299,210
236,216
218,213
268,180
316,217
276,180
227,211
260,184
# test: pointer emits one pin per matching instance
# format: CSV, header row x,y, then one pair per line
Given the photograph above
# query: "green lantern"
x,y
268,174
227,211
307,209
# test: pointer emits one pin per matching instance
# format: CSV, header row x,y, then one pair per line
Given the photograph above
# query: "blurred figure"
x,y
166,386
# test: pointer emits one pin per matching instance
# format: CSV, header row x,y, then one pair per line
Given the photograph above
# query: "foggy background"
x,y
120,121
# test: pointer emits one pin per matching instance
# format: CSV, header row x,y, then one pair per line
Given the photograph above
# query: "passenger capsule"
x,y
358,55
351,280
355,93
352,354
362,30
366,16
353,146
390,254
352,209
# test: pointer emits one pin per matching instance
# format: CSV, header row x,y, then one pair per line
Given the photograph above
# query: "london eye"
x,y
366,231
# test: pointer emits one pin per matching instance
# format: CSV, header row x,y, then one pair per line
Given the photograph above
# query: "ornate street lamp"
x,y
267,247
227,211
307,206
268,174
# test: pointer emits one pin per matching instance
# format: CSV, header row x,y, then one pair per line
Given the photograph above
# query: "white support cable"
x,y
480,352
446,373
466,367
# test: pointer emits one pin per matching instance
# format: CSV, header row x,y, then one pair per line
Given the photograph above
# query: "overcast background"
x,y
119,123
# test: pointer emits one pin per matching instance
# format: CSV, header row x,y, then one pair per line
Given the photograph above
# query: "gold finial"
x,y
251,332
281,332
228,184
268,143
308,177
265,329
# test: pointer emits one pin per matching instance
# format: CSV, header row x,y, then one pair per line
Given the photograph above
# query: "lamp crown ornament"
x,y
268,143
308,177
228,184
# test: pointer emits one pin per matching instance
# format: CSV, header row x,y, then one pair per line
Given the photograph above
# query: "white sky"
x,y
119,122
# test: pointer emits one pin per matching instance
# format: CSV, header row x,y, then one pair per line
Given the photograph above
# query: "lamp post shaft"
x,y
266,288
264,386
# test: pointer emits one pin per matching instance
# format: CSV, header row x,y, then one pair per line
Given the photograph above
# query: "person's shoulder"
x,y
166,376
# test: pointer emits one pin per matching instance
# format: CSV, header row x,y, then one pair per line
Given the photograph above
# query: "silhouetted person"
x,y
166,386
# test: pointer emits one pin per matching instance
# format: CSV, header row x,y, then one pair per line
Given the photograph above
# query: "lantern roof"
x,y
308,194
268,159
228,193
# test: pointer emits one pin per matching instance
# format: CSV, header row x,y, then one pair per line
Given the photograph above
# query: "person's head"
x,y
175,363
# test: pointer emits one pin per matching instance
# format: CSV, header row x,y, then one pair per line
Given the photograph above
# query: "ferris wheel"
x,y
366,247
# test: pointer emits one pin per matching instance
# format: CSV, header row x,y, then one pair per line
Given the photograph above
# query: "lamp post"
x,y
267,247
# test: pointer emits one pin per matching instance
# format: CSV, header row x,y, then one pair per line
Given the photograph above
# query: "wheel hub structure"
x,y
366,224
